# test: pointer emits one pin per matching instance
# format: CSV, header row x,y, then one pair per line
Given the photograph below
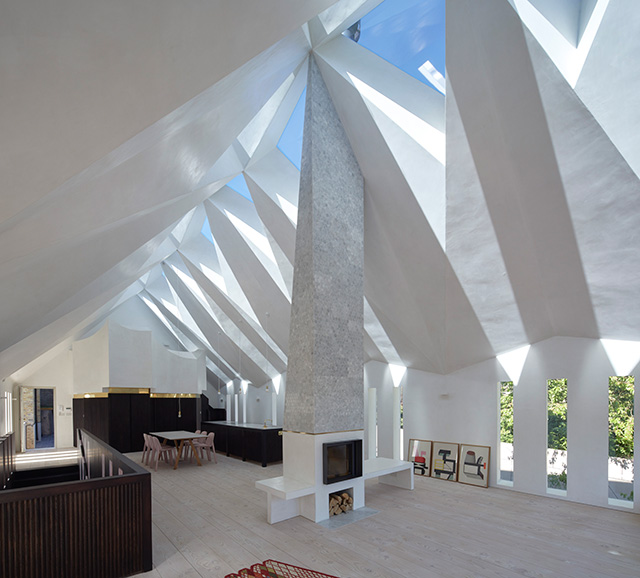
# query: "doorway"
x,y
37,417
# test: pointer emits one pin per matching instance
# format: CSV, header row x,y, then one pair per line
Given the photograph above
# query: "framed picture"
x,y
444,461
474,465
420,454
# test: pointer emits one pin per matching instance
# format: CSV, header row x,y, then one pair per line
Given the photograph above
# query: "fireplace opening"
x,y
342,461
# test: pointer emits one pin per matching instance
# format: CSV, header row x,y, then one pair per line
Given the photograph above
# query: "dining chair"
x,y
186,448
161,451
206,444
146,450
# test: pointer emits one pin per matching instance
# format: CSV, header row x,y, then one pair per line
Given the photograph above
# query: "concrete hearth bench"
x,y
288,497
285,489
392,472
284,497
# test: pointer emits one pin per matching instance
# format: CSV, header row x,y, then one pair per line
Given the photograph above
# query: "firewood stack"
x,y
339,502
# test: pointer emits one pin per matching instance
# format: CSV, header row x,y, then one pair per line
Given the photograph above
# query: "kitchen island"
x,y
249,441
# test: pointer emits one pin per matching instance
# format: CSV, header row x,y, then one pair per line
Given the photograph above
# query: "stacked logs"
x,y
339,503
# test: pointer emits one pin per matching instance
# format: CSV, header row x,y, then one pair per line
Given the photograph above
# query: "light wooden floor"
x,y
209,521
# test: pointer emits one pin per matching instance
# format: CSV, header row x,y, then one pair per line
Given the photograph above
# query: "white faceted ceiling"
x,y
149,165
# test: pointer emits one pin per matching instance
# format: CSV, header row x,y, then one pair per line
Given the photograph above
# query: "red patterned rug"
x,y
273,569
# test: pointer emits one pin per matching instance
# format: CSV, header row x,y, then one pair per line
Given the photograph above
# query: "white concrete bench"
x,y
285,489
392,472
284,497
287,497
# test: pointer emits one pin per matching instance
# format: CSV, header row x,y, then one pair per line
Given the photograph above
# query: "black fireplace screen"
x,y
342,461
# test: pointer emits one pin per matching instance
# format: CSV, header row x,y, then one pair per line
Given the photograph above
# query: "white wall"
x,y
130,358
176,371
91,362
134,314
57,373
378,376
6,390
259,403
462,407
585,365
257,411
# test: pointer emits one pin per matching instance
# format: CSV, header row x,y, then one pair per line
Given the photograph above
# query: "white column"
x,y
235,409
372,413
397,452
244,407
228,408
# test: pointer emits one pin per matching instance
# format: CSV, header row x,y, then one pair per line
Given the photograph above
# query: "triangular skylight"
x,y
290,142
397,373
407,33
239,185
513,362
206,231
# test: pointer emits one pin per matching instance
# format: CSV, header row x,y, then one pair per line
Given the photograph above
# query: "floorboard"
x,y
209,521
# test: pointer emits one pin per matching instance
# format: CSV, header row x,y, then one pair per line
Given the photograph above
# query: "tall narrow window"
x,y
401,421
621,426
557,436
506,432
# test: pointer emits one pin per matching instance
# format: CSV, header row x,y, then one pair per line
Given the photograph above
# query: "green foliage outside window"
x,y
557,414
557,429
506,412
621,416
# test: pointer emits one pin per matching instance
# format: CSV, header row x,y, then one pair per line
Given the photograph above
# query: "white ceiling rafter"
x,y
566,30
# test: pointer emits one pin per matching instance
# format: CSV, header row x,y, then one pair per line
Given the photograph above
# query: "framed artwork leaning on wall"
x,y
420,454
474,465
444,461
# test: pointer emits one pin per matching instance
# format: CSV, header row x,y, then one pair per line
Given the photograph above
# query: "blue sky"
x,y
290,143
239,185
405,33
206,230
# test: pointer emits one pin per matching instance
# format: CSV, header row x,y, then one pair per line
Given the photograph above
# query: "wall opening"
x,y
37,416
557,436
506,433
621,432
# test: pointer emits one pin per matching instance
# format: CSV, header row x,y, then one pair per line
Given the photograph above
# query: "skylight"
x,y
206,231
239,185
290,143
407,33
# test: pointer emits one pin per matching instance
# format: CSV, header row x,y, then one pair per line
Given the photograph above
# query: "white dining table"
x,y
178,437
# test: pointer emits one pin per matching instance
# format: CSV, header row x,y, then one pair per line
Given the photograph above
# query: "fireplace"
x,y
342,460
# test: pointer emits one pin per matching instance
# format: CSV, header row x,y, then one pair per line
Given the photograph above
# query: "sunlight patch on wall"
x,y
428,137
513,362
623,355
277,380
397,373
258,239
216,278
289,209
